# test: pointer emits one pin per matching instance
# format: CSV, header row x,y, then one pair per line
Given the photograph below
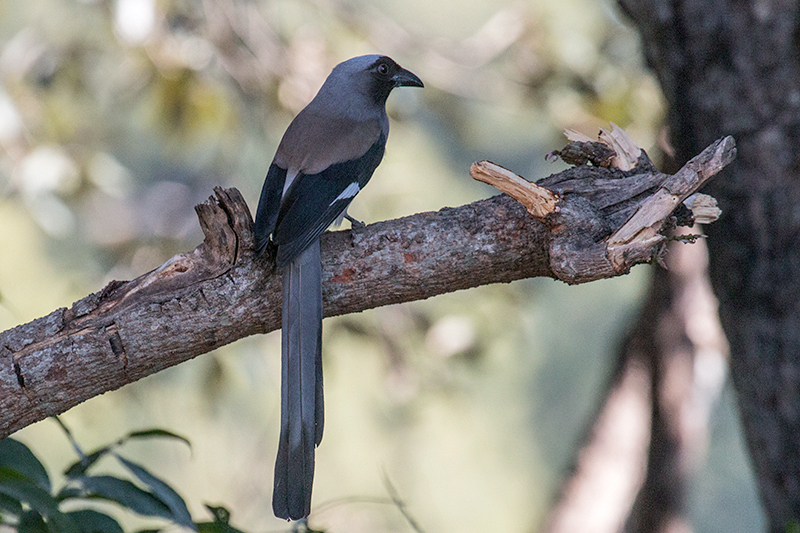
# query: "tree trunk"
x,y
734,67
633,468
680,335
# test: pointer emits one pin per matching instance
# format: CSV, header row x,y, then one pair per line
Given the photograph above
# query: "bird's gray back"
x,y
340,124
316,140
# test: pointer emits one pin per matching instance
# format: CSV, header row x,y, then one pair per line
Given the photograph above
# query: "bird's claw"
x,y
356,224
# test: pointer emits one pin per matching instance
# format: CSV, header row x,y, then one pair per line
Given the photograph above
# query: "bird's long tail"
x,y
301,385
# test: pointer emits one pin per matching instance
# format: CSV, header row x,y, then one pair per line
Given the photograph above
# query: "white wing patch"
x,y
290,176
348,193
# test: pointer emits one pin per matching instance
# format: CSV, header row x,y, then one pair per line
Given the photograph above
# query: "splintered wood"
x,y
537,200
613,202
704,208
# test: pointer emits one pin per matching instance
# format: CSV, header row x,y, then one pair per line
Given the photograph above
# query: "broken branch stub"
x,y
537,200
603,221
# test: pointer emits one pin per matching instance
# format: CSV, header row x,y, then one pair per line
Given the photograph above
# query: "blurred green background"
x,y
116,117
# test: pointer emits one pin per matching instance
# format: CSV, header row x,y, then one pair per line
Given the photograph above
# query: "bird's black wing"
x,y
268,206
314,201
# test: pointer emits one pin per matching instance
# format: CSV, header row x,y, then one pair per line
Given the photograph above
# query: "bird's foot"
x,y
354,223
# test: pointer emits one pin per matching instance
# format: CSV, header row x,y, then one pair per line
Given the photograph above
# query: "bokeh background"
x,y
118,116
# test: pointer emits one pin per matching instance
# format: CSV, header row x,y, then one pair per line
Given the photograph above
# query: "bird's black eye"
x,y
383,68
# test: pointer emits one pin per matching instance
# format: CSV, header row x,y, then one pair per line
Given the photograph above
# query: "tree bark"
x,y
735,67
219,293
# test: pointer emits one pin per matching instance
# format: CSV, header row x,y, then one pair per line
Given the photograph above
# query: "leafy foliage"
x,y
29,502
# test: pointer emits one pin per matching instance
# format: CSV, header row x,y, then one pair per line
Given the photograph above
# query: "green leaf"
x,y
19,487
9,506
165,493
124,493
221,521
220,514
31,522
156,432
18,457
91,521
80,467
215,527
69,492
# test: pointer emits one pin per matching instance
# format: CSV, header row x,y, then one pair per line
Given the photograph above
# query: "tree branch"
x,y
218,293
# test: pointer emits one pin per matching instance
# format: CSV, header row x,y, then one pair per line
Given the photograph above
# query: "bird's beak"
x,y
406,78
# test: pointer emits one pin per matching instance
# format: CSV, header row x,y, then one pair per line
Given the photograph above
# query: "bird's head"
x,y
373,76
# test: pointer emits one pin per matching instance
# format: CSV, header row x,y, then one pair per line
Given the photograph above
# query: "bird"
x,y
326,156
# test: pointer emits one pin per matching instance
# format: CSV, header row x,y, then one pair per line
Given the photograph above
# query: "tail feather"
x,y
301,385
